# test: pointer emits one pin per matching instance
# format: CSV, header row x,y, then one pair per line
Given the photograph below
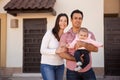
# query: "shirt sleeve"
x,y
92,40
63,40
45,43
95,43
72,44
91,35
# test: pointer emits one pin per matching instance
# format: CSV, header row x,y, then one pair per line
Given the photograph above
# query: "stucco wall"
x,y
93,20
113,7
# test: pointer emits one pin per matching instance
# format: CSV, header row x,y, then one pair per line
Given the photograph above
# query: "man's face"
x,y
76,20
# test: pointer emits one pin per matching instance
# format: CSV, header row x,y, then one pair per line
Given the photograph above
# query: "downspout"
x,y
119,9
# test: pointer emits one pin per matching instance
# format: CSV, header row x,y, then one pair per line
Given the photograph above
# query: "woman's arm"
x,y
62,52
45,49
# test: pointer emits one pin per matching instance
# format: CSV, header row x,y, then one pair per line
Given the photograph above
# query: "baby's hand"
x,y
81,57
67,45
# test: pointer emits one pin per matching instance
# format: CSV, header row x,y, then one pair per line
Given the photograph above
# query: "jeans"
x,y
88,75
51,72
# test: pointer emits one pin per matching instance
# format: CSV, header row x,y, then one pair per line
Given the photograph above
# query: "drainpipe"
x,y
119,9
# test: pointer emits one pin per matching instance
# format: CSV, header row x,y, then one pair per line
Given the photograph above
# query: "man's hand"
x,y
79,44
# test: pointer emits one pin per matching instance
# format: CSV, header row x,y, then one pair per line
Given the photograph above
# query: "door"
x,y
33,32
112,46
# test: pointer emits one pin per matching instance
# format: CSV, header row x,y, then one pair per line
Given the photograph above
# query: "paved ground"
x,y
110,78
39,78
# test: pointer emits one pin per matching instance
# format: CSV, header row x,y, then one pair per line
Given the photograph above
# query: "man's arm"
x,y
91,47
62,51
88,46
66,56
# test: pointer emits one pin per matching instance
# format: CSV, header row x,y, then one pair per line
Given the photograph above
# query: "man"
x,y
86,73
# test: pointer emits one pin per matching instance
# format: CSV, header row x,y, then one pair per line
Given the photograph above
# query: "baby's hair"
x,y
84,29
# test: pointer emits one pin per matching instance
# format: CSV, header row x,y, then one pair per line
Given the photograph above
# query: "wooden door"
x,y
112,46
33,32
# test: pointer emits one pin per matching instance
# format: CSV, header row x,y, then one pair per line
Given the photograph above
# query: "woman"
x,y
52,65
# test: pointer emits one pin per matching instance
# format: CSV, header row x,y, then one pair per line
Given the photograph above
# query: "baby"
x,y
83,35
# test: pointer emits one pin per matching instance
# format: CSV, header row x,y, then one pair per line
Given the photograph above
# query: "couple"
x,y
53,50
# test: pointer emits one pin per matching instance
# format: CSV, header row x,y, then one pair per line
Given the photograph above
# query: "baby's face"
x,y
83,35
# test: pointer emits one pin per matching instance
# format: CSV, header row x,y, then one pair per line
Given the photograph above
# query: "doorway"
x,y
33,32
112,46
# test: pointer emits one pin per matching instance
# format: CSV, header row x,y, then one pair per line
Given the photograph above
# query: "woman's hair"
x,y
56,27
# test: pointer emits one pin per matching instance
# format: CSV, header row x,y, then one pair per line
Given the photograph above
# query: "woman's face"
x,y
63,22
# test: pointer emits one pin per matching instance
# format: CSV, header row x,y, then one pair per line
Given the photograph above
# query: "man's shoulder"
x,y
90,32
67,33
92,36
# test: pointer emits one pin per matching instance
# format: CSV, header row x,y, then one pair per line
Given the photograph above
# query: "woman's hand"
x,y
61,49
62,52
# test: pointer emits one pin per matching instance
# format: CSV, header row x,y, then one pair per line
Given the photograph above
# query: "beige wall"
x,y
92,21
112,6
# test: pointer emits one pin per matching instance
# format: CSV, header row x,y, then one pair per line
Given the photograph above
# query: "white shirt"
x,y
48,47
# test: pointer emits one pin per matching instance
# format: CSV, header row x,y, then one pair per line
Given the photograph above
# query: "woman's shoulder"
x,y
49,31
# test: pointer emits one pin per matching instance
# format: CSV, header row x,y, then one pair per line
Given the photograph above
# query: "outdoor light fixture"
x,y
14,23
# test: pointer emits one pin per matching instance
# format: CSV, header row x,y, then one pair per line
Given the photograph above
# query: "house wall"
x,y
113,7
2,4
93,20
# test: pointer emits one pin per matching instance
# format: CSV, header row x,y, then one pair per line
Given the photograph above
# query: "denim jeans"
x,y
89,75
51,72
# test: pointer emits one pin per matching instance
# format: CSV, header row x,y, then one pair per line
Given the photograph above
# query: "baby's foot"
x,y
77,68
79,63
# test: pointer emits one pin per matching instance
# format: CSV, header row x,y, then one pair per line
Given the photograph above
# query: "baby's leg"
x,y
77,55
86,58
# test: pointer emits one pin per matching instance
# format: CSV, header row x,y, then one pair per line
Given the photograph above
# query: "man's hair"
x,y
76,11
